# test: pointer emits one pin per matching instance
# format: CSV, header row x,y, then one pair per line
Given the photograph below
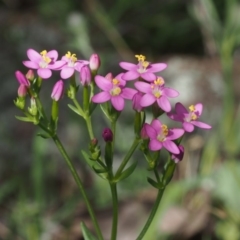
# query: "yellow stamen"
x,y
192,108
157,94
115,81
45,57
116,91
194,116
70,56
140,57
145,64
159,81
165,129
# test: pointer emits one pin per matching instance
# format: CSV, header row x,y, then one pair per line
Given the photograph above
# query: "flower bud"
x,y
22,90
107,135
136,102
58,90
143,132
94,62
85,75
178,157
22,78
30,75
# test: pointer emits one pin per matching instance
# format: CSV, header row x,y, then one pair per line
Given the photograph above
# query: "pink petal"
x,y
33,55
44,73
156,124
103,83
199,108
175,117
128,93
151,132
101,97
147,100
201,124
130,75
143,87
117,102
148,76
29,64
128,66
169,92
57,65
22,78
180,109
53,54
188,127
157,67
67,72
164,104
171,147
155,145
175,133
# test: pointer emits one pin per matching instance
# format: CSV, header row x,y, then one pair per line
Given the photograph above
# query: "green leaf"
x,y
153,183
24,119
126,173
43,135
86,233
87,159
105,111
75,109
101,172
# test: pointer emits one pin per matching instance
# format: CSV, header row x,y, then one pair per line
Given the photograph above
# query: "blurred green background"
x,y
199,40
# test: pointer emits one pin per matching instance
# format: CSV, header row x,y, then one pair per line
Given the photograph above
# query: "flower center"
x,y
156,87
115,81
159,81
115,91
45,59
163,133
192,115
72,58
143,65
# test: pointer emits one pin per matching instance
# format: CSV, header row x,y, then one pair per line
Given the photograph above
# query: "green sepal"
x,y
24,119
86,233
54,113
108,154
168,172
75,110
101,172
126,173
137,123
155,184
43,135
20,102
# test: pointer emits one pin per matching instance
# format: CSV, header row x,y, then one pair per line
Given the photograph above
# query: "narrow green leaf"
x,y
43,135
126,173
87,158
99,169
153,183
86,232
24,119
74,109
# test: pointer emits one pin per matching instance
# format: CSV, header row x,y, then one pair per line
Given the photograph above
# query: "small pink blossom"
x,y
71,64
44,62
189,117
143,69
22,78
113,90
58,90
156,92
160,136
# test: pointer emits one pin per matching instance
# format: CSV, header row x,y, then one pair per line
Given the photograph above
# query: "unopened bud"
x,y
94,62
107,135
178,157
85,75
22,78
22,91
30,75
136,102
58,90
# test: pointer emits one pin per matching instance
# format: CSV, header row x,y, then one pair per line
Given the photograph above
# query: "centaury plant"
x,y
110,93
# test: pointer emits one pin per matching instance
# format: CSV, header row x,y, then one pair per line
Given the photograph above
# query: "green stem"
x,y
127,157
79,184
113,187
152,214
89,126
113,126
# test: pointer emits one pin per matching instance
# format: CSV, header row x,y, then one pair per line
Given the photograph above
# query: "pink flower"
x,y
58,90
156,92
189,117
71,64
113,90
143,69
178,157
160,136
22,79
44,62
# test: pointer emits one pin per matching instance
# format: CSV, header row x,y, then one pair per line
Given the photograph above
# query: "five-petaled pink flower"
x,y
189,118
71,64
44,62
160,136
113,89
156,91
143,69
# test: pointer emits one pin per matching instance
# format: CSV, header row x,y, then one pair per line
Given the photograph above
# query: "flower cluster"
x,y
150,90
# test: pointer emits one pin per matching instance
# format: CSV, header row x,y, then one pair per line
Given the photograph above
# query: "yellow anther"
x,y
192,108
140,57
43,53
116,91
115,81
157,94
45,58
165,129
145,64
194,116
70,56
159,81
